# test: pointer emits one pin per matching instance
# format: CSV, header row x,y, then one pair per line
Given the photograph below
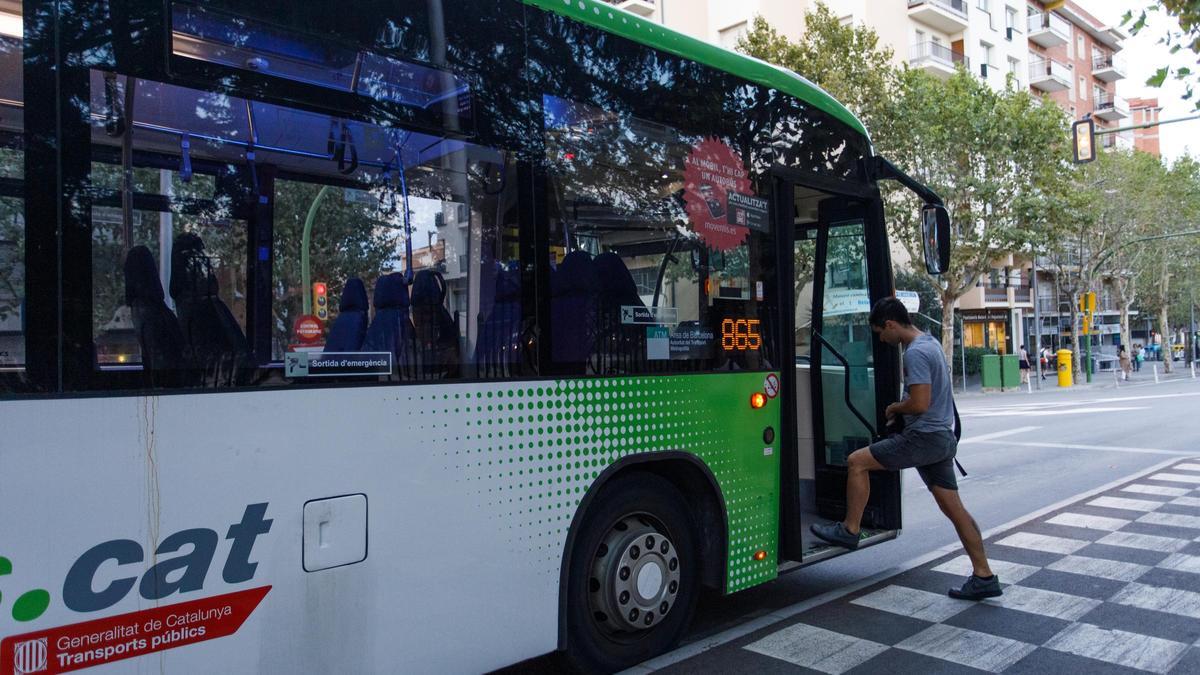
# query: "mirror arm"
x,y
880,168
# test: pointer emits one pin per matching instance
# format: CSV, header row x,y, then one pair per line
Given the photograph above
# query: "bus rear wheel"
x,y
633,575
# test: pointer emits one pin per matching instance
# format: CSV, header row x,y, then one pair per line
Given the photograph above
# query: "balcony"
x,y
936,59
1111,108
1108,67
1048,29
639,7
1049,75
1022,295
947,16
995,294
1118,141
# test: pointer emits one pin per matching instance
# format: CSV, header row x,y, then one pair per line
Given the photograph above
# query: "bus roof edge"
x,y
626,24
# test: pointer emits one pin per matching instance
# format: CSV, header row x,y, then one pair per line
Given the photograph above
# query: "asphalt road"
x,y
1024,452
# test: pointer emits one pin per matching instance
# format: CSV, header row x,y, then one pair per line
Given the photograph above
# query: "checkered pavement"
x,y
1109,584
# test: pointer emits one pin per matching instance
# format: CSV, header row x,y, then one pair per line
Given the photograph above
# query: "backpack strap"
x,y
958,436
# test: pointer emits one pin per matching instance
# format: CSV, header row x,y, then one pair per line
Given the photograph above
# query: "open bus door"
x,y
837,264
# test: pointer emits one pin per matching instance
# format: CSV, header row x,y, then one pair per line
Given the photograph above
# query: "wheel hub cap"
x,y
635,576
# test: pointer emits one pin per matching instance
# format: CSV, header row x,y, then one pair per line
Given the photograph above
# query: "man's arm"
x,y
916,403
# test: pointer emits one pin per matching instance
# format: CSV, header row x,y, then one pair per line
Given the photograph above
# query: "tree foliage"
x,y
1187,37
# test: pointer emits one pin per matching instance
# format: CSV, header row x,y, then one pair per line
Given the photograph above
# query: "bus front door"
x,y
839,265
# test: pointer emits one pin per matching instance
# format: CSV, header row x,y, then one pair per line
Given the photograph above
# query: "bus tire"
x,y
636,555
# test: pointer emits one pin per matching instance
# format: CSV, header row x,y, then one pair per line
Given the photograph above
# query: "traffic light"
x,y
1087,324
1087,302
1083,141
320,301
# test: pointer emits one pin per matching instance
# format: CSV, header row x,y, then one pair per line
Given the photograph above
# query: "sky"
x,y
1144,56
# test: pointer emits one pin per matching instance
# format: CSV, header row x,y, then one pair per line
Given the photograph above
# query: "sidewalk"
x,y
1100,381
1105,584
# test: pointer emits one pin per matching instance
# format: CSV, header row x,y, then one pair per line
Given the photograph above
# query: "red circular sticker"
x,y
712,172
308,328
771,385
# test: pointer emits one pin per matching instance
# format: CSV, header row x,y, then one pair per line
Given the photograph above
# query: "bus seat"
x,y
620,347
157,329
350,327
391,330
573,289
214,340
498,352
436,331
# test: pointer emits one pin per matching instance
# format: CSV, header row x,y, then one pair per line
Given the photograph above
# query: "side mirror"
x,y
935,233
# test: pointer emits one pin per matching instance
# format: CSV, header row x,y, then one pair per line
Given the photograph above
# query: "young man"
x,y
926,443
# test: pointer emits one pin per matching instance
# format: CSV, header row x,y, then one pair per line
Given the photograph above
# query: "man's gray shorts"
x,y
930,452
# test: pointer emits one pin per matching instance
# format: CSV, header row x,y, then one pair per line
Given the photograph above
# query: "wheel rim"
x,y
635,576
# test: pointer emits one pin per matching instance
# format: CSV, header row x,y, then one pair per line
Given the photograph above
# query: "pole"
x,y
1088,353
305,275
962,348
1037,324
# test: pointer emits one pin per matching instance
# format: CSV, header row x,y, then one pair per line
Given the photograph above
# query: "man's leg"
x,y
859,466
968,531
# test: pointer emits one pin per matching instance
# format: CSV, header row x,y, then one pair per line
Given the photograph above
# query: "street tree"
x,y
995,157
845,60
1185,38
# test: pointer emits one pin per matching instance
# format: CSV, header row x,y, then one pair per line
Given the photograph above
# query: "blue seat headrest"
x,y
616,283
391,292
141,276
354,296
508,285
575,274
428,289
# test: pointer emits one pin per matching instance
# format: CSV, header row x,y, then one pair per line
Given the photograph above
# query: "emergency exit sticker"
x,y
114,638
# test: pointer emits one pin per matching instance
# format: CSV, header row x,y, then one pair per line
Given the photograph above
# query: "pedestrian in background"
x,y
1139,355
1126,361
1024,364
1046,353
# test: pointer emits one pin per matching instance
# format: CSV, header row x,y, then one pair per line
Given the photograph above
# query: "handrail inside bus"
x,y
832,350
881,168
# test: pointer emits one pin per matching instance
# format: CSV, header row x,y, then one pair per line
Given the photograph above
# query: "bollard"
x,y
1156,374
1193,370
1117,378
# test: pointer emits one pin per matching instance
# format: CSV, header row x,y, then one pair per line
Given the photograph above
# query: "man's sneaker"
x,y
835,533
977,589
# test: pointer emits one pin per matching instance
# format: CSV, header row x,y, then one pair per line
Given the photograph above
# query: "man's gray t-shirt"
x,y
924,363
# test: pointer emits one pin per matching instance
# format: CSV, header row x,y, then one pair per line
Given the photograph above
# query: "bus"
x,y
418,336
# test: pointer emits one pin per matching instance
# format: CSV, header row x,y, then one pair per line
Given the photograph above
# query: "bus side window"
x,y
12,215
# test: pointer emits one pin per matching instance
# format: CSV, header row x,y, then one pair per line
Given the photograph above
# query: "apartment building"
x,y
1145,111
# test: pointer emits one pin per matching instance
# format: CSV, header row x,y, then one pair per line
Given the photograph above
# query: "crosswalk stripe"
x,y
1181,562
1155,490
1160,599
1116,570
1117,646
912,602
1143,541
1176,478
1044,603
1010,572
1186,501
1171,519
1088,522
817,648
967,647
1042,542
1126,504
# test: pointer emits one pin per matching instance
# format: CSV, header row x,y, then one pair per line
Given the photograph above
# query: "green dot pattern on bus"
x,y
528,452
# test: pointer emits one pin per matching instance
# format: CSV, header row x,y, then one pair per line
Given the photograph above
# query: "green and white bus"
x,y
417,336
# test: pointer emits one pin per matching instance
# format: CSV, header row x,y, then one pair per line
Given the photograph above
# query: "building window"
x,y
987,59
1082,88
1079,47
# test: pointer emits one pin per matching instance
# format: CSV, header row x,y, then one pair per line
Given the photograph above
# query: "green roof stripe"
x,y
609,18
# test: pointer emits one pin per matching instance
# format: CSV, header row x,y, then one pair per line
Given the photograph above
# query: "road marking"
x,y
1106,448
739,631
1010,572
967,647
918,604
1171,519
1181,562
1187,467
1088,522
1099,567
1125,504
1142,541
1050,413
817,648
1117,646
998,434
1041,542
1044,603
1176,478
1119,399
1186,501
1155,490
1159,599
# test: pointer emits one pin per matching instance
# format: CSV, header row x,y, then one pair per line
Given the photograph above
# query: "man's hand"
x,y
916,403
891,411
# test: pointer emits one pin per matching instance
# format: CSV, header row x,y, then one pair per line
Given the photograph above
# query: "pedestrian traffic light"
x,y
320,301
1087,324
1083,141
1087,302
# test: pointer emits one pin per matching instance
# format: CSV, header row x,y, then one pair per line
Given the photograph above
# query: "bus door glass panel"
x,y
12,208
845,310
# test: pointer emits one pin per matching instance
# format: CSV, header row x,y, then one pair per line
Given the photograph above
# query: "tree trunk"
x,y
1076,359
1126,329
1164,322
948,331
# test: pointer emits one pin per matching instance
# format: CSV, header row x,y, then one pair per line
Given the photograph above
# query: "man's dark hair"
x,y
889,309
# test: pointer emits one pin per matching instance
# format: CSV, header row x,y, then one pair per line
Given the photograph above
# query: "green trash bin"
x,y
990,371
1010,371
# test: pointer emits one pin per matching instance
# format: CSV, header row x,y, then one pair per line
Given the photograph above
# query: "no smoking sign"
x,y
771,385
